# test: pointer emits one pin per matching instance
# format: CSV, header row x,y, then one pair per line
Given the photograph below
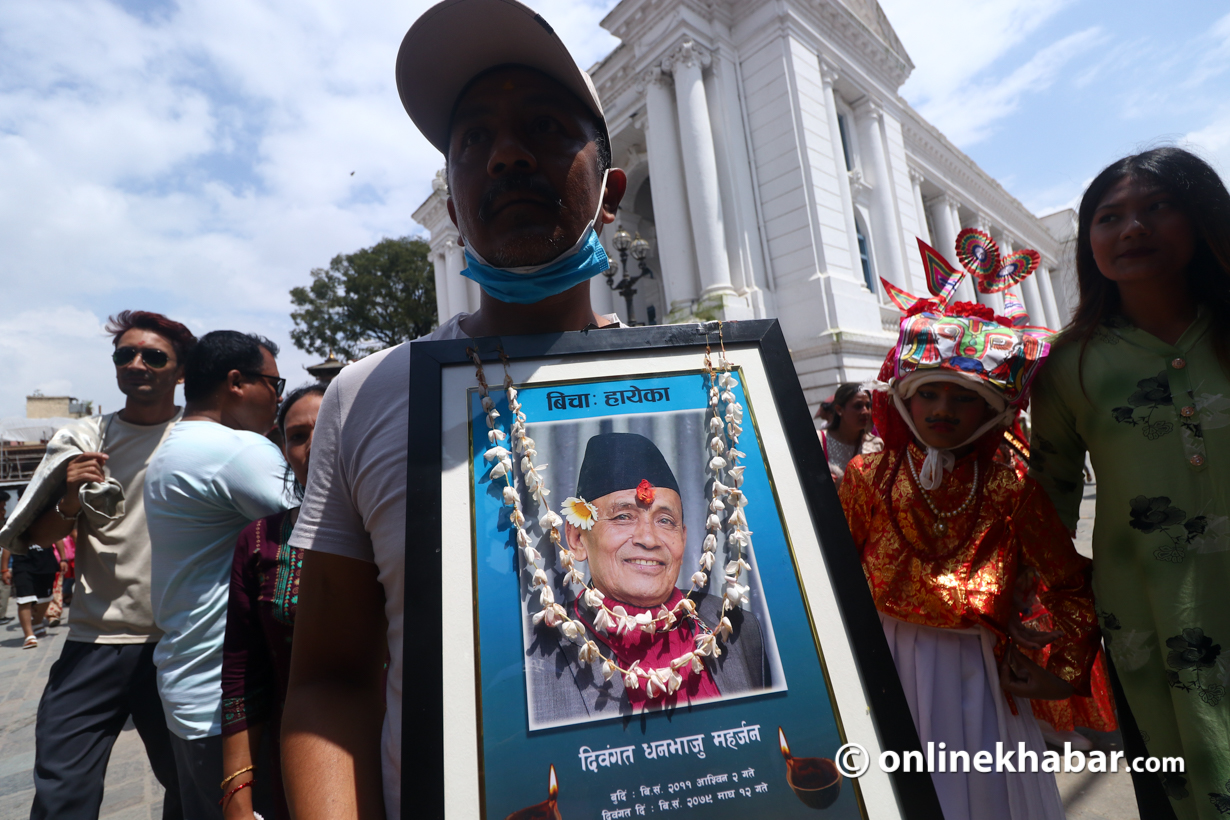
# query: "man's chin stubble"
x,y
526,251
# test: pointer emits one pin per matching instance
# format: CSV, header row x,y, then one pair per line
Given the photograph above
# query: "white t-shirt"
x,y
355,504
204,485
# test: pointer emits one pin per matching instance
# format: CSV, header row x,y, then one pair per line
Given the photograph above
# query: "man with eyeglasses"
x,y
90,484
215,473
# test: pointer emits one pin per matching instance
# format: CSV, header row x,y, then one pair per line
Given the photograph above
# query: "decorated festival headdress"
x,y
964,342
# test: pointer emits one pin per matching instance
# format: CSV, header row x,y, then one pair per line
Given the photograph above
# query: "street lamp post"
x,y
640,248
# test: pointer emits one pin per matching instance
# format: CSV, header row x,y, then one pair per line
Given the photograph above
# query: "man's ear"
x,y
234,381
576,543
613,194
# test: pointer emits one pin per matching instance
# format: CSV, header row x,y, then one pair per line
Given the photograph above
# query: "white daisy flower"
x,y
579,512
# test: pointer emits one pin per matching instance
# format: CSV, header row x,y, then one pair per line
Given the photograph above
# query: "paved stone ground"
x,y
132,792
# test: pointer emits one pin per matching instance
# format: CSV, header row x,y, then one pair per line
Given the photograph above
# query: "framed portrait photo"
x,y
635,592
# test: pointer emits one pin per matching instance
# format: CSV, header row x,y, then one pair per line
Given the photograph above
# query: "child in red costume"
x,y
944,531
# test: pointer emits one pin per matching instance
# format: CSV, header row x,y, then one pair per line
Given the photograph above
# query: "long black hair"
x,y
313,389
1201,195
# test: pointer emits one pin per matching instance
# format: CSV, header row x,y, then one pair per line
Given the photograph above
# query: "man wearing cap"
x,y
626,524
494,89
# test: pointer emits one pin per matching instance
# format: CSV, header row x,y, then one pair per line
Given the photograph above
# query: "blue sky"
x,y
195,157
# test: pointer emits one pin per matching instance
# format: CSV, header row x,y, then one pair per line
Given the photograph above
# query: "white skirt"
x,y
952,685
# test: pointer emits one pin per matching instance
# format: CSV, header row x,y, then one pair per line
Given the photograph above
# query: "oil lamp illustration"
x,y
814,780
547,809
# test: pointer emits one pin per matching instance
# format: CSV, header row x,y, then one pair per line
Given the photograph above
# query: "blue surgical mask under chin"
x,y
533,283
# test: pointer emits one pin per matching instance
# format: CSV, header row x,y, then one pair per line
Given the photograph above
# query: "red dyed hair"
x,y
180,337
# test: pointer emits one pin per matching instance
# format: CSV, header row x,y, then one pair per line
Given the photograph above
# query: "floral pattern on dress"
x,y
1157,514
1193,652
1040,448
1174,784
1214,410
1101,334
1221,800
1216,535
1130,648
286,581
1151,395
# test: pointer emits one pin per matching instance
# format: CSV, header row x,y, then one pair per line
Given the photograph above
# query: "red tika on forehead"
x,y
645,492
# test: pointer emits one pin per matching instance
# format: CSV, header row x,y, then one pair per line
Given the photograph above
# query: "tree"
x,y
375,297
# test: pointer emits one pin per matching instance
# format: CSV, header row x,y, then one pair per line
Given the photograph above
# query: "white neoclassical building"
x,y
776,172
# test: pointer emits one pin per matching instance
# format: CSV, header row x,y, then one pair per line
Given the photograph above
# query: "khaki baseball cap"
x,y
455,41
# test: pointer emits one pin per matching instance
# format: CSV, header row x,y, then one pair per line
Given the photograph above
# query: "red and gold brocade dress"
x,y
1097,711
965,578
945,602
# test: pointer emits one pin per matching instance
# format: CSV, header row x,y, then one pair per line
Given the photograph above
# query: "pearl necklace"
x,y
941,517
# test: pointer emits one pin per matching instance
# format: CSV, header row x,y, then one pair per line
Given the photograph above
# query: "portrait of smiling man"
x,y
626,524
490,85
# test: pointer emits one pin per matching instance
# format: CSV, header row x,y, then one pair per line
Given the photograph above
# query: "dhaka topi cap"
x,y
621,461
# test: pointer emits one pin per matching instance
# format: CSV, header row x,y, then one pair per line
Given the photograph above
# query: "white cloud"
x,y
952,41
970,112
196,159
54,349
1212,142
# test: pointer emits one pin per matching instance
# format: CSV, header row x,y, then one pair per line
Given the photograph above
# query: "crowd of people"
x,y
241,600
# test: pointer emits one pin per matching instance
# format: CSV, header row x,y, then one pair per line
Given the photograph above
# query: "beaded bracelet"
x,y
240,787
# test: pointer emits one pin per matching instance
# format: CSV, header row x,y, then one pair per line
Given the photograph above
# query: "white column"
x,y
1054,316
916,178
995,301
886,228
828,76
1065,289
965,291
700,169
924,232
1028,288
444,310
454,264
670,202
946,227
1033,301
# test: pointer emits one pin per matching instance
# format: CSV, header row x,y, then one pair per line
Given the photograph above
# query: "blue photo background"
x,y
514,760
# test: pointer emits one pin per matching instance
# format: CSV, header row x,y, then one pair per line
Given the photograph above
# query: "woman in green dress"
x,y
1139,379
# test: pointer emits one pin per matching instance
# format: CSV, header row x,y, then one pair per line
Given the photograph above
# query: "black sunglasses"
x,y
279,384
150,357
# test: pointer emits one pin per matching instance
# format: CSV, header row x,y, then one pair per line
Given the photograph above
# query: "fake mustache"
x,y
943,420
512,183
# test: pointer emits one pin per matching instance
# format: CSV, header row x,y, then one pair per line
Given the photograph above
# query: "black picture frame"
x,y
423,718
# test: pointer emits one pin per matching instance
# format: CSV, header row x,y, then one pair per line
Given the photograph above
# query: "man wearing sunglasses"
x,y
215,473
90,484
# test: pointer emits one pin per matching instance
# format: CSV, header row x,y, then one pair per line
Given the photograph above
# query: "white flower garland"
x,y
725,427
